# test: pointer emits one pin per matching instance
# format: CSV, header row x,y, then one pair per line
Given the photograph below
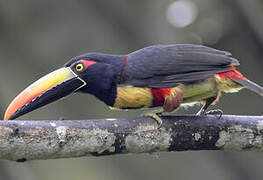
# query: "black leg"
x,y
209,101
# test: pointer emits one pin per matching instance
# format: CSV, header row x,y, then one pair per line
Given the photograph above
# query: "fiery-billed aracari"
x,y
156,76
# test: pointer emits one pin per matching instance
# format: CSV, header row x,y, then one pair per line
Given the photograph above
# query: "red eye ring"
x,y
86,63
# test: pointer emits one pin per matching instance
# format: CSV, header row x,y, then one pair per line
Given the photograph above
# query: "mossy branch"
x,y
31,140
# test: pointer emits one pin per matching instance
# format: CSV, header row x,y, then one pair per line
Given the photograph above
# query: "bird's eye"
x,y
79,67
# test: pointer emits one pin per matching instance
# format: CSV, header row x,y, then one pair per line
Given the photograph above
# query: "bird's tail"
x,y
250,85
238,78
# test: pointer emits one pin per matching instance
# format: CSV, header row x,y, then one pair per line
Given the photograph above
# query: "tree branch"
x,y
31,140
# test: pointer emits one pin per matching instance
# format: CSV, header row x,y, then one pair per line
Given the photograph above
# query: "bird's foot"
x,y
216,112
155,115
156,118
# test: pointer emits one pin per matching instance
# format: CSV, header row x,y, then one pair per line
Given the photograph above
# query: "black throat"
x,y
101,82
108,96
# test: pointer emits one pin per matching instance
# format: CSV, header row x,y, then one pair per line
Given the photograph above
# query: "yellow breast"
x,y
133,97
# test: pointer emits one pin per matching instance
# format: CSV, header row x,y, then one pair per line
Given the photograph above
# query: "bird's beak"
x,y
47,89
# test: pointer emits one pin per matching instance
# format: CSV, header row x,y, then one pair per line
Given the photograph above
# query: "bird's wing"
x,y
163,66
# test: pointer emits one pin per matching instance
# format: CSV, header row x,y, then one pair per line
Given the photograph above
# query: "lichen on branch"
x,y
31,140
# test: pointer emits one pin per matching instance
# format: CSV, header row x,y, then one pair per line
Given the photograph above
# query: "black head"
x,y
98,57
98,74
90,73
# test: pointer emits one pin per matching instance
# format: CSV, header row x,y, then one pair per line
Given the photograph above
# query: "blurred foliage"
x,y
37,37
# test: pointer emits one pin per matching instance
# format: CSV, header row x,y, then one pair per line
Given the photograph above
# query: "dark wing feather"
x,y
167,65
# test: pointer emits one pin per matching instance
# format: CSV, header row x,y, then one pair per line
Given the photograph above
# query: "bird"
x,y
164,76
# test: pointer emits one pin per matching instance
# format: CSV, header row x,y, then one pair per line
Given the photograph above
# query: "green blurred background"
x,y
37,37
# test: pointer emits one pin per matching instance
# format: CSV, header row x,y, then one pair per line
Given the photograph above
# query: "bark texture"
x,y
31,140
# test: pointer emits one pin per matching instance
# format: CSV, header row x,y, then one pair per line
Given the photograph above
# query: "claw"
x,y
156,118
214,112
